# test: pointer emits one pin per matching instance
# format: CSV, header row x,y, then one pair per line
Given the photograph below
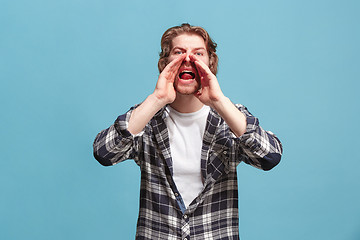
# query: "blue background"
x,y
68,68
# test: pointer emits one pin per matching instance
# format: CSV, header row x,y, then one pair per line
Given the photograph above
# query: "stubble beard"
x,y
187,90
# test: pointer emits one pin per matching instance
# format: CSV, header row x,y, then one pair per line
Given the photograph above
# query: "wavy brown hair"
x,y
171,33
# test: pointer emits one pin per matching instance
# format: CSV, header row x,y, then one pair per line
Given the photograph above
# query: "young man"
x,y
188,139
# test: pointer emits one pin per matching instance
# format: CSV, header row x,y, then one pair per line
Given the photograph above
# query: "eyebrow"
x,y
195,49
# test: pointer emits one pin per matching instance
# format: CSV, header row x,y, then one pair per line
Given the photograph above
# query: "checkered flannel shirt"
x,y
214,213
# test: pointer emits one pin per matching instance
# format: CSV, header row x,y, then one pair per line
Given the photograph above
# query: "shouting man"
x,y
188,138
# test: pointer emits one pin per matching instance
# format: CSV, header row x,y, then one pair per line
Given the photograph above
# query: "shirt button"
x,y
176,194
225,152
185,238
185,216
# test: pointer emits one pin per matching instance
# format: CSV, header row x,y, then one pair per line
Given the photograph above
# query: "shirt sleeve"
x,y
257,147
116,144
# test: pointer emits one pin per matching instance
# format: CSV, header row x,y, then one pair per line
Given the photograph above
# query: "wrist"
x,y
232,116
157,101
220,102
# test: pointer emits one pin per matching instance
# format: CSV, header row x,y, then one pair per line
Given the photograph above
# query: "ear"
x,y
162,63
213,62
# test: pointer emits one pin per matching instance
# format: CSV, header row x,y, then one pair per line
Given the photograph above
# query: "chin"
x,y
187,90
187,93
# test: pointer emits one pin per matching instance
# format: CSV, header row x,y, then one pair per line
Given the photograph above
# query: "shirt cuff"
x,y
121,125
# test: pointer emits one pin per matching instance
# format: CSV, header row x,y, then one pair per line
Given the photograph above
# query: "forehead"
x,y
188,40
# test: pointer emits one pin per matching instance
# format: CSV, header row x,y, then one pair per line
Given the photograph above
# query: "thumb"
x,y
198,93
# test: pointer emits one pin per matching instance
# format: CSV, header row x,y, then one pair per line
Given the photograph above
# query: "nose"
x,y
187,58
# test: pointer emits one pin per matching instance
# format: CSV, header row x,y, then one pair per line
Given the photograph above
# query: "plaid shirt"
x,y
214,213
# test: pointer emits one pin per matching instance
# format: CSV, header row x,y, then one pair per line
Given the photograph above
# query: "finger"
x,y
200,65
201,69
172,68
175,64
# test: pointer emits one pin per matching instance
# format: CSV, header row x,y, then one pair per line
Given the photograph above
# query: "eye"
x,y
178,52
199,54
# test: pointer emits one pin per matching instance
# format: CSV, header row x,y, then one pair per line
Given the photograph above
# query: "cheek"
x,y
169,59
206,60
172,57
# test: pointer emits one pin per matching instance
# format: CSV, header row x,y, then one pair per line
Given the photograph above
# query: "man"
x,y
188,138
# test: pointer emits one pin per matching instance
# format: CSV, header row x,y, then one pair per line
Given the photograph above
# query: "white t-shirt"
x,y
186,131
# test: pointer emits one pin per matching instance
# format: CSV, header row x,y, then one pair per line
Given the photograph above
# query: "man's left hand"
x,y
210,91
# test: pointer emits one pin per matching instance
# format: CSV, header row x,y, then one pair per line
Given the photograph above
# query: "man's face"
x,y
187,80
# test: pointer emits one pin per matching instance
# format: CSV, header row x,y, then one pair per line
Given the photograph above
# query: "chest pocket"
x,y
219,157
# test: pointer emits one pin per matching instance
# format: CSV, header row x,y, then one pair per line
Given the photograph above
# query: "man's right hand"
x,y
164,93
164,90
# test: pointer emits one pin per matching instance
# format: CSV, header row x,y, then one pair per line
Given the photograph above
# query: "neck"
x,y
186,103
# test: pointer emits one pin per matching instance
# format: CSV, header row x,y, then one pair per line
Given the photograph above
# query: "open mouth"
x,y
187,75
